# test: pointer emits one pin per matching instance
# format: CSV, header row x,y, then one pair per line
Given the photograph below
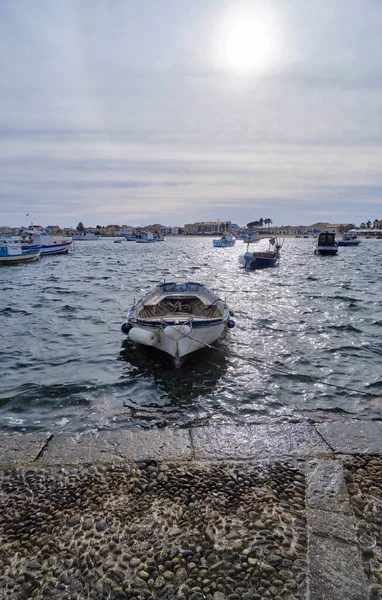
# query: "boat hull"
x,y
251,261
331,251
20,258
178,319
263,263
348,242
219,244
178,349
58,248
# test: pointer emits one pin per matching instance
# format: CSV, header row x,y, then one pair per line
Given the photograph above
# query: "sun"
x,y
246,40
247,46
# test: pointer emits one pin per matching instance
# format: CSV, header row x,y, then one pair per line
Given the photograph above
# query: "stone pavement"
x,y
280,511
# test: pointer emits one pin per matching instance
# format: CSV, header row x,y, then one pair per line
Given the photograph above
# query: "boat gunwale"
x,y
154,322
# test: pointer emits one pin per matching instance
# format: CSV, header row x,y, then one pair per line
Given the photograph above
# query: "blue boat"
x,y
263,259
226,241
13,253
326,244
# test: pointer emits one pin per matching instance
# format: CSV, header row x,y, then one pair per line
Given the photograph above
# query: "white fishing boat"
x,y
145,237
178,319
349,238
226,241
40,238
13,253
326,244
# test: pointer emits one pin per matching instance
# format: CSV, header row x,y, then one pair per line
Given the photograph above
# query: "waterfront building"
x,y
207,227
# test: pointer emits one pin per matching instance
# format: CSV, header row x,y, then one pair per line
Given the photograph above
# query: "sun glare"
x,y
246,40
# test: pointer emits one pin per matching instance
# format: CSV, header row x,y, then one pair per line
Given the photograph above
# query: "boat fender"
x,y
175,332
126,328
142,336
230,323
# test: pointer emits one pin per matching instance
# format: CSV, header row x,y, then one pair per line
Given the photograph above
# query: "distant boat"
x,y
226,241
349,238
178,319
263,259
41,238
119,240
129,238
159,238
326,244
13,253
146,237
86,237
250,236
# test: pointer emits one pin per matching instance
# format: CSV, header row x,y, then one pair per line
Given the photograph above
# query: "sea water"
x,y
312,321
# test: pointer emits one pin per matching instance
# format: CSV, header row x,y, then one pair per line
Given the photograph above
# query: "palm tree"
x,y
368,224
362,226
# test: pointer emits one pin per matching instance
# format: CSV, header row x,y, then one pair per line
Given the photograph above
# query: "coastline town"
x,y
209,228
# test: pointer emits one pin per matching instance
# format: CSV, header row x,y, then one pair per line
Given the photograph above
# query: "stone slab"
x,y
118,446
326,487
352,437
20,448
336,525
335,570
299,440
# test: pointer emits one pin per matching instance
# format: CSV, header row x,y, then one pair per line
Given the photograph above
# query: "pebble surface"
x,y
219,531
364,482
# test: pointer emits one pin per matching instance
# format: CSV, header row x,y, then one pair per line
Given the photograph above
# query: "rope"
x,y
261,362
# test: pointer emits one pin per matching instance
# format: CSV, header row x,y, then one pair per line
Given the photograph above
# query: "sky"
x,y
171,111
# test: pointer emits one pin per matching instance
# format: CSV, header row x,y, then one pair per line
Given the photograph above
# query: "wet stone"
x,y
137,537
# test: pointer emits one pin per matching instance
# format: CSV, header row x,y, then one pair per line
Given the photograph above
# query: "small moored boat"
x,y
145,237
349,238
226,241
178,319
262,259
250,236
14,253
326,244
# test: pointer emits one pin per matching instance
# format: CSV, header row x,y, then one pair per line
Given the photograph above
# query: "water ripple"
x,y
66,365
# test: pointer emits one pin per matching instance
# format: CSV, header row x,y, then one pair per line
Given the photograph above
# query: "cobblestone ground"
x,y
216,531
364,483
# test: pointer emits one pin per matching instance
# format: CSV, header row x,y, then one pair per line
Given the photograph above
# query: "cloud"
x,y
116,108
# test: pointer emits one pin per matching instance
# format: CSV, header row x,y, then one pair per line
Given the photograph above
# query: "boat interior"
x,y
182,306
269,254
